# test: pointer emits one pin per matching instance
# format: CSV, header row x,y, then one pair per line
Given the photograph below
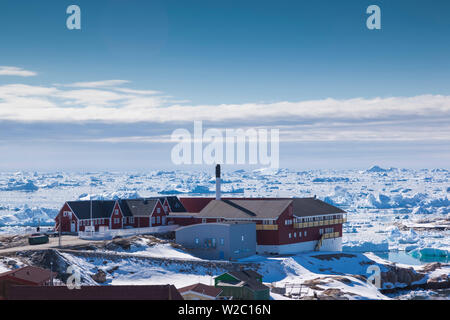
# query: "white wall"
x,y
327,245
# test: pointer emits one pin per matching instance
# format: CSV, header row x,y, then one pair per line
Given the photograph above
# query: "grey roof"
x,y
100,208
304,207
247,209
139,207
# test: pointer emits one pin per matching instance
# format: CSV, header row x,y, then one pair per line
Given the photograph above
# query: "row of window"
x,y
100,221
314,219
299,234
103,221
211,242
327,230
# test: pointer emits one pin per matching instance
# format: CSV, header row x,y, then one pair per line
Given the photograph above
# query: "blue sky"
x,y
107,96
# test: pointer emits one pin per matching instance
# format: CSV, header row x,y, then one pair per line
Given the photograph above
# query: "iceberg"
x,y
428,252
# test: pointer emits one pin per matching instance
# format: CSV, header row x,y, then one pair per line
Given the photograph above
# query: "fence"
x,y
109,234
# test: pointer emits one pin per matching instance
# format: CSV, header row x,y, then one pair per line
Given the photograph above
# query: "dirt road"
x,y
66,241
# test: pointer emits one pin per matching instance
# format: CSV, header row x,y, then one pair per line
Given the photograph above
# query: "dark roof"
x,y
202,289
304,207
247,209
124,207
173,201
140,207
30,274
100,208
156,292
249,278
175,204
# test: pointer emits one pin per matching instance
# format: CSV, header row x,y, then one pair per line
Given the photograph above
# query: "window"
x,y
242,238
295,234
290,235
158,210
157,219
305,233
197,240
153,219
131,219
116,220
222,241
204,220
116,212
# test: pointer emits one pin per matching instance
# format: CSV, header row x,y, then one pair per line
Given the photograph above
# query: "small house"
x,y
242,285
26,276
126,292
200,291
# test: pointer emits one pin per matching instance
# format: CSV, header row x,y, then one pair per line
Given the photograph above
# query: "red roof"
x,y
157,292
29,274
195,205
202,289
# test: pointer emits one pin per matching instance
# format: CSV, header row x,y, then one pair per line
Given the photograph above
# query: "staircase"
x,y
319,243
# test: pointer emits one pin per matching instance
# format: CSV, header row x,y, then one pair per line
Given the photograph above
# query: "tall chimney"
x,y
218,182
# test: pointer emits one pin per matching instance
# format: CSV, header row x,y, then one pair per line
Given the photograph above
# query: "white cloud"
x,y
396,118
15,71
140,92
97,84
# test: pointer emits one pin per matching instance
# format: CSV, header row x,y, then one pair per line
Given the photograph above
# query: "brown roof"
x,y
259,207
247,209
202,289
304,207
30,274
141,207
157,292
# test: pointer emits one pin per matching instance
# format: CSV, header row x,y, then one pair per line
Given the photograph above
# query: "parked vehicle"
x,y
37,238
52,233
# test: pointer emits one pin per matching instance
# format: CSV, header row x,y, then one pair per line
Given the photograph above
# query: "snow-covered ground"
x,y
383,204
324,274
388,209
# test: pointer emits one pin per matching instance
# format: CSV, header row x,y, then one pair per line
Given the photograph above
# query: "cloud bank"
x,y
423,117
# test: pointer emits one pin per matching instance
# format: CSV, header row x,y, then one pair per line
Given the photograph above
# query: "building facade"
x,y
98,215
218,241
283,225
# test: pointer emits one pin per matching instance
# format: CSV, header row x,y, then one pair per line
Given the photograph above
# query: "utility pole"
x,y
59,227
51,273
92,225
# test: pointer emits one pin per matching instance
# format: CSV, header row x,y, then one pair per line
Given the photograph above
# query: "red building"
x,y
144,292
25,276
77,216
284,225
